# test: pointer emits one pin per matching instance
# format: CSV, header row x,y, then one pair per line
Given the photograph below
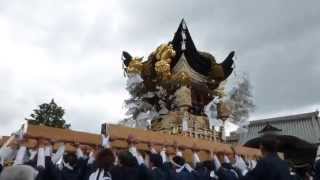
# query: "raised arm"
x,y
41,155
163,155
257,173
216,161
152,149
59,153
241,165
20,154
8,152
106,141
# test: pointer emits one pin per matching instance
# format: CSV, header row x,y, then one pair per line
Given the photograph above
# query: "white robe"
x,y
97,176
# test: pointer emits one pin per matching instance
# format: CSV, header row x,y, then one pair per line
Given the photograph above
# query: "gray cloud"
x,y
71,51
276,43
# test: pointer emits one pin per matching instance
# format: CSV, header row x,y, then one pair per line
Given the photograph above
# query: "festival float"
x,y
176,102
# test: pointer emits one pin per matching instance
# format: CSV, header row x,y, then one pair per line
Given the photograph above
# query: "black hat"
x,y
178,161
156,160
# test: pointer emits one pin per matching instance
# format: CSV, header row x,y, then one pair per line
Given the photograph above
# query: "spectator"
x,y
270,167
104,162
19,172
156,167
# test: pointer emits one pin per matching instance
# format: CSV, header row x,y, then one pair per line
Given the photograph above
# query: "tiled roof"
x,y
286,118
305,126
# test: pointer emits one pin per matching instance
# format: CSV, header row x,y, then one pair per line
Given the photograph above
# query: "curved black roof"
x,y
195,60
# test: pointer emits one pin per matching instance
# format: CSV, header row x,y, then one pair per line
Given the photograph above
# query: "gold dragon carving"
x,y
164,54
135,66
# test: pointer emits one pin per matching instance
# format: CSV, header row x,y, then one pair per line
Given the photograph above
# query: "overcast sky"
x,y
71,50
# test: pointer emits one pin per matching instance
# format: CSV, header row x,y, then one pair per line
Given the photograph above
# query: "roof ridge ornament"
x,y
183,35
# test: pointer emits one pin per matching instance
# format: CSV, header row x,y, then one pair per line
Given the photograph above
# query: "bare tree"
x,y
240,100
139,111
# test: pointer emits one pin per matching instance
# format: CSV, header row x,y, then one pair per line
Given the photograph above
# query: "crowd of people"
x,y
106,164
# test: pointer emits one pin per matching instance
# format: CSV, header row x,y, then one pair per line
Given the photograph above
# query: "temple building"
x,y
178,82
298,135
304,126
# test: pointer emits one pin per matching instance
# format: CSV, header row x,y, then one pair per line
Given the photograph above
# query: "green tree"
x,y
48,114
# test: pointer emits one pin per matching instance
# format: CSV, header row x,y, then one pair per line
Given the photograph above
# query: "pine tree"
x,y
49,114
